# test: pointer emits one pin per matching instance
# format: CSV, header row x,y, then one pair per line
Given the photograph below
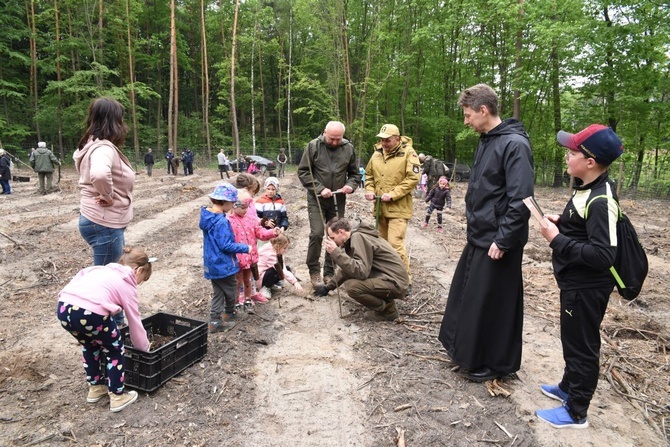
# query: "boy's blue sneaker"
x,y
555,392
560,418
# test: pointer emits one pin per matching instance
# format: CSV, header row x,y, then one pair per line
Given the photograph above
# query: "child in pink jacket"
x,y
272,269
85,309
248,230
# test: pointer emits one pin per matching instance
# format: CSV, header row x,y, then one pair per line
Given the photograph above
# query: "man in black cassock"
x,y
482,324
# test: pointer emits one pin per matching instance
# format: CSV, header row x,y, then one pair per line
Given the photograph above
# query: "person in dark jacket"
x,y
5,172
369,268
483,320
44,163
328,170
437,198
582,252
187,159
149,161
169,156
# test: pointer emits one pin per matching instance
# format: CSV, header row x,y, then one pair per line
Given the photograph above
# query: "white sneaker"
x,y
267,293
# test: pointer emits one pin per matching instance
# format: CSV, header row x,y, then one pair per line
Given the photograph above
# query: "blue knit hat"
x,y
225,192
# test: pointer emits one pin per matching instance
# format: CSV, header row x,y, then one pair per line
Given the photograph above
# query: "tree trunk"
x,y
288,87
518,65
173,101
33,65
262,87
253,110
556,95
100,34
205,70
349,84
233,111
58,78
131,73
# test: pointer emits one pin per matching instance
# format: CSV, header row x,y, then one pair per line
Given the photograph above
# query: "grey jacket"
x,y
43,160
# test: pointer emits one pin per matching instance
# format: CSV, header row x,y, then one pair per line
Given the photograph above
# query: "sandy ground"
x,y
311,372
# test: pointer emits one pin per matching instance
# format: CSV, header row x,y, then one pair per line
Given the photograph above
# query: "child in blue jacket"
x,y
220,257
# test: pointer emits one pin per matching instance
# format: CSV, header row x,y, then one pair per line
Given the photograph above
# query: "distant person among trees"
x,y
149,161
253,168
433,168
169,156
392,175
329,171
224,163
5,172
44,163
174,162
281,159
187,159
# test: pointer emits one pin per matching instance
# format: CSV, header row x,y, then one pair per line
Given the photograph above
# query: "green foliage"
x,y
366,63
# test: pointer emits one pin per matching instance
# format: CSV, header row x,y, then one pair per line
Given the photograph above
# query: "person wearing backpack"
x,y
583,251
433,168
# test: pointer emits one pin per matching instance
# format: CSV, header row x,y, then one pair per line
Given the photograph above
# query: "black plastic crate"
x,y
147,371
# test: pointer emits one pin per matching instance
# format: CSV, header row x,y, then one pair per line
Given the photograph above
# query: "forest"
x,y
256,75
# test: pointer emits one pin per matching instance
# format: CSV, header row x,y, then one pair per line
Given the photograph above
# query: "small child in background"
x,y
270,207
422,185
248,230
437,198
219,249
361,170
271,267
85,309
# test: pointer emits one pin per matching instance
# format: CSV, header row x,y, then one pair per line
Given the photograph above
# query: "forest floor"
x,y
300,371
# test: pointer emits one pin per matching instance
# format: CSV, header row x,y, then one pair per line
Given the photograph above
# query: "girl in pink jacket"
x,y
85,309
248,230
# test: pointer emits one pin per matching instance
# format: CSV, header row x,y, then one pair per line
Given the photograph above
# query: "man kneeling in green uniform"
x,y
370,270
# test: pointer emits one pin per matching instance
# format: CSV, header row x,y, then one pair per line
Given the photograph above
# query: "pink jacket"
x,y
248,231
105,171
106,290
267,258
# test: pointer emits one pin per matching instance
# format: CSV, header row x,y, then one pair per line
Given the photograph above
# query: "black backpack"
x,y
630,263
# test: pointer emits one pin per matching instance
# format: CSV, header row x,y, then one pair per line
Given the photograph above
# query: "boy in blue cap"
x,y
583,251
219,249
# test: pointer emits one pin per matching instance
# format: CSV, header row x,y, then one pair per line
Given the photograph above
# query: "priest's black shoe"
x,y
482,374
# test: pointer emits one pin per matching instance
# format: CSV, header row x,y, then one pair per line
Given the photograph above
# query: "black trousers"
x,y
582,311
317,229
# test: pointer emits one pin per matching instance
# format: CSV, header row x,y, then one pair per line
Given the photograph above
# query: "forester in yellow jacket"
x,y
391,175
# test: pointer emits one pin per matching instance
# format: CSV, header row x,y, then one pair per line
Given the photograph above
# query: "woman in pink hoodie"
x,y
106,180
85,309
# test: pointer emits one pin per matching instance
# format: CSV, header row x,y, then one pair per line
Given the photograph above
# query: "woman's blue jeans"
x,y
107,244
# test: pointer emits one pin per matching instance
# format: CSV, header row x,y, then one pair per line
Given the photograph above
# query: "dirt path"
x,y
294,372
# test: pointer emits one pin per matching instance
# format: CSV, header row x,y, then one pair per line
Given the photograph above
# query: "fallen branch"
x,y
18,244
615,376
429,357
400,440
495,389
503,429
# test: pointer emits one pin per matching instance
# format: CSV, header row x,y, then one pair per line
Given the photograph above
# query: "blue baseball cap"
x,y
225,192
596,141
